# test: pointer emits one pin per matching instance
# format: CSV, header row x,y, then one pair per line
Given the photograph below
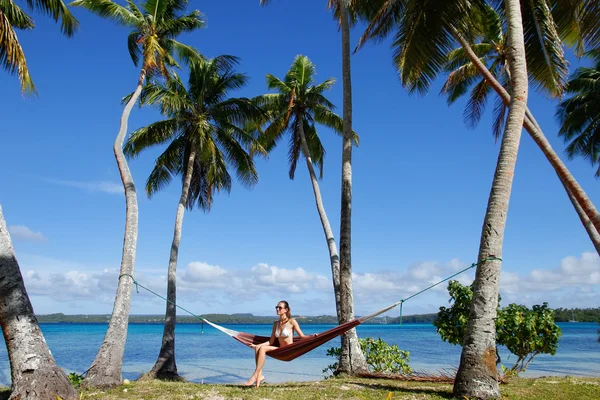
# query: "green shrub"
x,y
381,357
525,332
76,379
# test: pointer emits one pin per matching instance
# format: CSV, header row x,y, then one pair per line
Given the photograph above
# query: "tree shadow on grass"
x,y
408,390
4,394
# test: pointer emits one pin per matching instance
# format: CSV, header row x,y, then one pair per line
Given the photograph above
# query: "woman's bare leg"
x,y
260,362
260,357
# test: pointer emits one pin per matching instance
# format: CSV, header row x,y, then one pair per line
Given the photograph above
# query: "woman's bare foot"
x,y
250,381
260,380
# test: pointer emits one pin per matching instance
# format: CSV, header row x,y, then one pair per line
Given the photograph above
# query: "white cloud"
x,y
24,233
574,283
102,186
200,285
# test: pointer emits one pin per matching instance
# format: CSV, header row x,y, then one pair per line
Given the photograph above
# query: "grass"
x,y
549,388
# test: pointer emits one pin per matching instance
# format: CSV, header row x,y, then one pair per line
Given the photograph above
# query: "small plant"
x,y
381,357
76,379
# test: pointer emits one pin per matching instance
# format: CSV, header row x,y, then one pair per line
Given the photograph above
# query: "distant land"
x,y
224,319
561,315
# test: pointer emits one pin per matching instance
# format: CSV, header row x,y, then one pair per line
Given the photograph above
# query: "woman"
x,y
282,334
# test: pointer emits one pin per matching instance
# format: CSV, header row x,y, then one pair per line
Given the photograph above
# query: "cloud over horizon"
x,y
573,283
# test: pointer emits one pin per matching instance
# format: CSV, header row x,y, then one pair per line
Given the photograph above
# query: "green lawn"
x,y
345,388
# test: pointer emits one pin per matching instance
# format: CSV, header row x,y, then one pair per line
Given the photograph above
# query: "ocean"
x,y
210,356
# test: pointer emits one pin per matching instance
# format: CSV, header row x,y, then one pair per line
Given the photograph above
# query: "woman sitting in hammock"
x,y
281,335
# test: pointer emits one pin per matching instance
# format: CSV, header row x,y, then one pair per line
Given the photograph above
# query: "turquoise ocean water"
x,y
213,357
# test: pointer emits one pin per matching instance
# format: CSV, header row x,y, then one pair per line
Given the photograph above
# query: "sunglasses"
x,y
279,308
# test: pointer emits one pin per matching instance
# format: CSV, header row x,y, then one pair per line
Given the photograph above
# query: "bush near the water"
x,y
76,379
381,357
525,332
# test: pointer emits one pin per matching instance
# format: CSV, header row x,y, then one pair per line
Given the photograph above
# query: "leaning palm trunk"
x,y
570,184
334,257
352,361
107,366
587,223
34,373
476,376
165,366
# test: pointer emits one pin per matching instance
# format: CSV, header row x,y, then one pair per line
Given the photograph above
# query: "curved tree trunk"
x,y
334,257
571,185
107,366
165,366
34,373
477,376
352,360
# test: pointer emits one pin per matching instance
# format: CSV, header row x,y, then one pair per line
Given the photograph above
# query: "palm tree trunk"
x,y
571,186
587,223
334,257
476,376
165,366
107,366
352,360
34,373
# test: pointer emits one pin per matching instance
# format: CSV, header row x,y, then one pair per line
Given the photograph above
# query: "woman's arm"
x,y
272,338
269,342
297,328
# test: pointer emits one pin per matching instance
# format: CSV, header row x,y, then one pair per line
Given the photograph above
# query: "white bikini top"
x,y
285,333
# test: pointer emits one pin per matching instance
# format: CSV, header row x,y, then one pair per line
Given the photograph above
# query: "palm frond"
x,y
170,28
109,10
459,81
152,135
59,12
12,57
383,22
237,156
132,45
274,83
476,104
315,147
15,16
500,111
168,165
546,63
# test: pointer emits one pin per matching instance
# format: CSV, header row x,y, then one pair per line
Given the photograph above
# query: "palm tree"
x,y
476,375
12,57
424,36
579,115
155,27
296,108
352,360
463,74
202,128
420,61
34,372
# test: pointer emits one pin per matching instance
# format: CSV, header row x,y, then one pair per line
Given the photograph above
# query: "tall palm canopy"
x,y
298,101
202,118
463,75
155,26
579,115
12,56
420,61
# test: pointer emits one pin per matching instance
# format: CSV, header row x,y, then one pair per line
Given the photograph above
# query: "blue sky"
x,y
421,181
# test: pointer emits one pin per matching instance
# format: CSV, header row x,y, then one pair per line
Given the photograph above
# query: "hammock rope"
x,y
301,346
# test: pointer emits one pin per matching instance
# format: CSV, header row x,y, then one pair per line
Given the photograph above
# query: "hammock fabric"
x,y
299,346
